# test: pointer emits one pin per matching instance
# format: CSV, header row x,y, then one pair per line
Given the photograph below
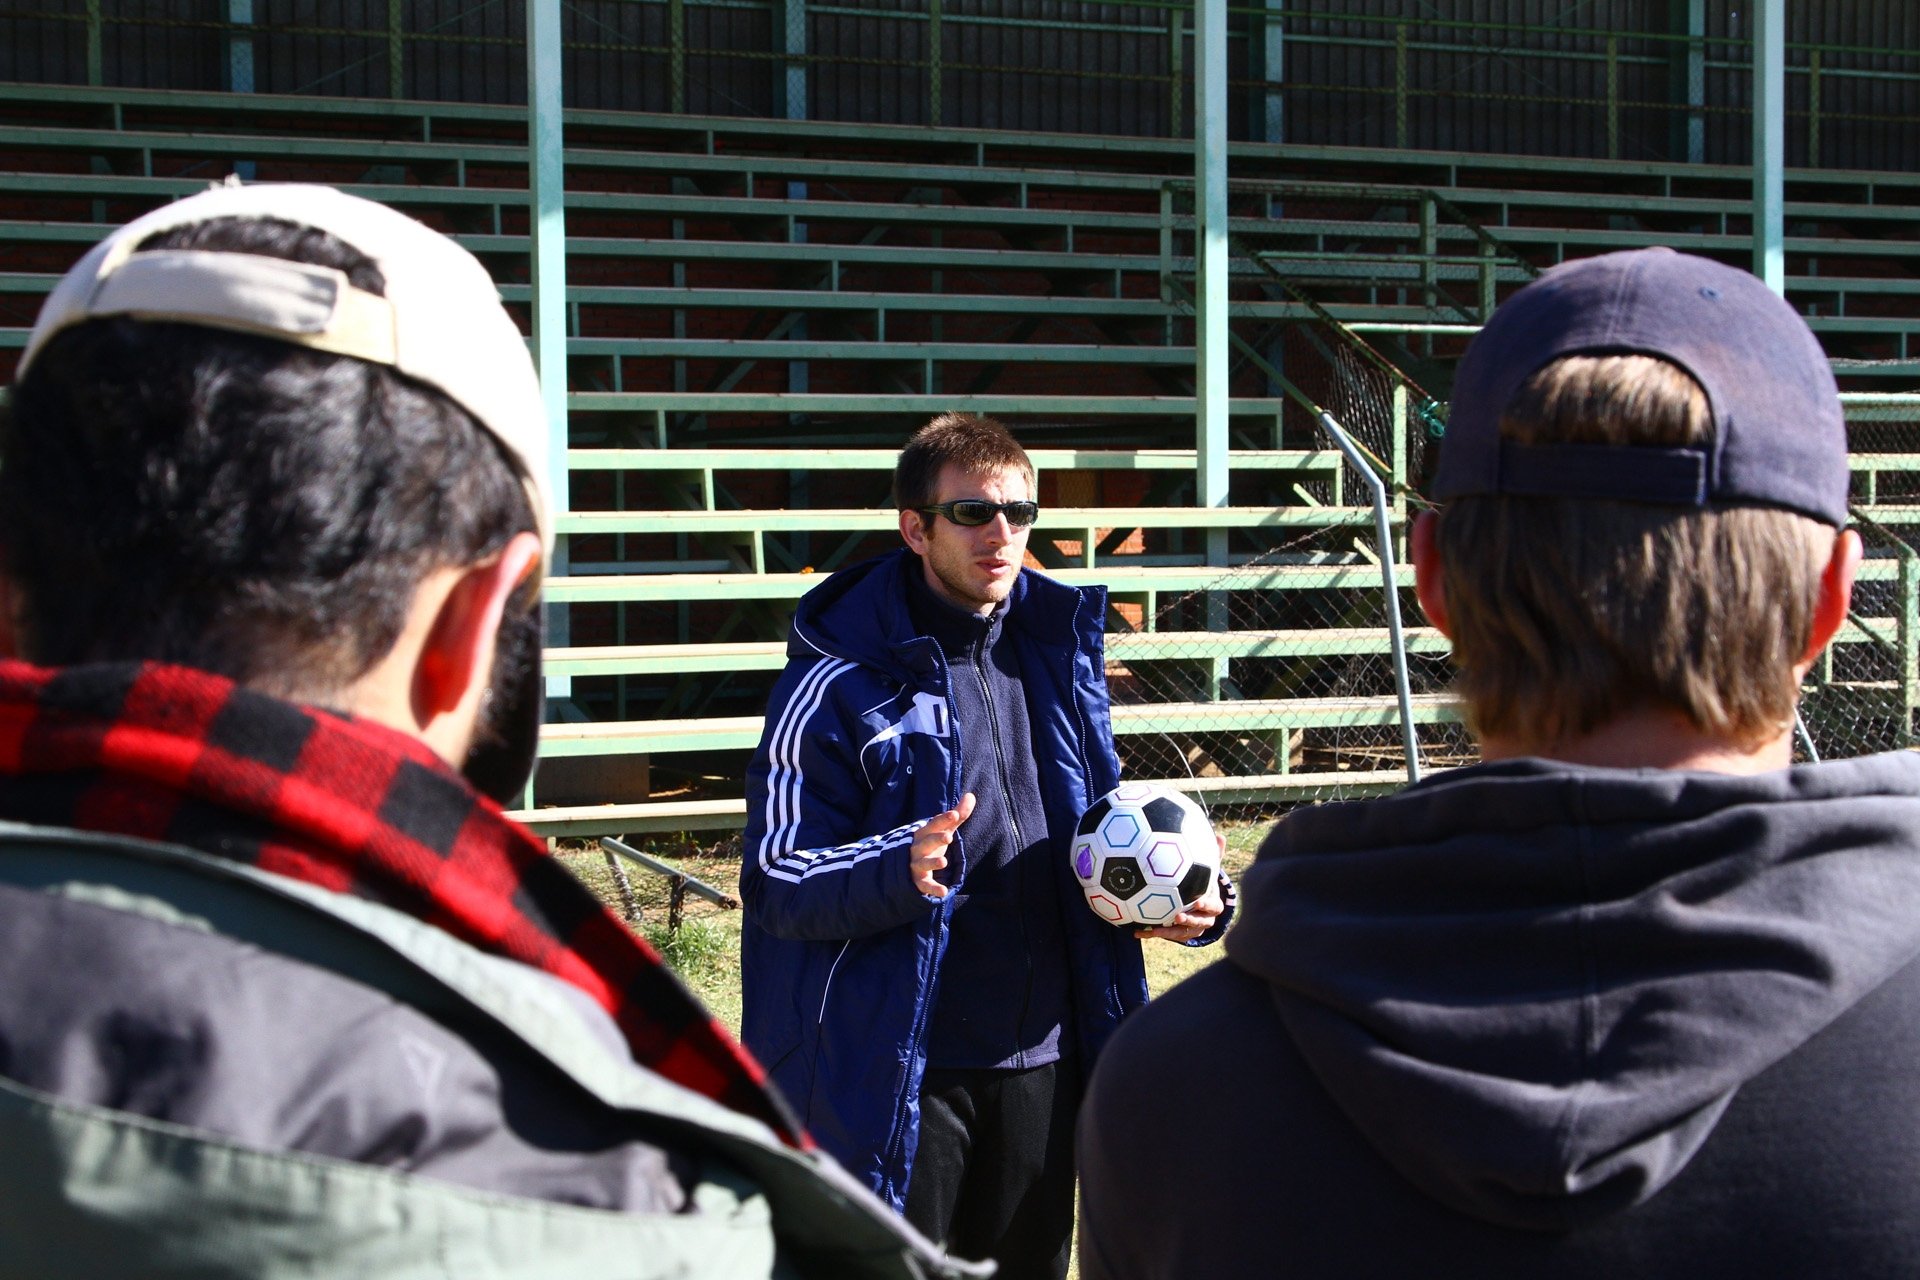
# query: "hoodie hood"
x,y
1535,987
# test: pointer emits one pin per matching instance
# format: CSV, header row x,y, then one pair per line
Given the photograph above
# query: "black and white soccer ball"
x,y
1144,852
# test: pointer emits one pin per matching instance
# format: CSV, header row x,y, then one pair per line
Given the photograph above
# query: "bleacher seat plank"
x,y
660,816
1120,580
1122,646
882,460
1250,715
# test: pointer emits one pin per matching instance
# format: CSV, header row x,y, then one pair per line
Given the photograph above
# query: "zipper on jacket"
x,y
894,1156
1019,862
1115,996
826,987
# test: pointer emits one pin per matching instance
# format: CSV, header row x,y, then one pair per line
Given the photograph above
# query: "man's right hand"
x,y
929,851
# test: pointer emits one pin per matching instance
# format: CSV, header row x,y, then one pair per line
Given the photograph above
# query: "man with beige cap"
x,y
286,993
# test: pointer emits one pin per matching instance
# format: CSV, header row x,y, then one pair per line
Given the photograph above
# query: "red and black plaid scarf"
x,y
170,753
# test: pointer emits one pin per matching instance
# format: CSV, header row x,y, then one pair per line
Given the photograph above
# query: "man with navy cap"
x,y
1636,995
285,992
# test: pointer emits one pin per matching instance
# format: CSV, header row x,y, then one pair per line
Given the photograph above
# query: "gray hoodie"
x,y
1534,1020
1535,987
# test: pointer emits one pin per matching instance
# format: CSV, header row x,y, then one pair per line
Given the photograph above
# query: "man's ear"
x,y
1429,585
1835,596
456,658
913,527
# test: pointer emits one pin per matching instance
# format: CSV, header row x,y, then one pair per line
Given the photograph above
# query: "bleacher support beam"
x,y
1770,143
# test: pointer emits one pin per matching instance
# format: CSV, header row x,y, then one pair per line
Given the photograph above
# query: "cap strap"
x,y
1626,473
297,302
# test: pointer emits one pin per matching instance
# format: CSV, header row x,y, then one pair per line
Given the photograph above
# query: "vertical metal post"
x,y
396,50
1770,142
1429,268
1266,57
1806,739
790,69
546,157
1166,243
1390,588
1613,97
629,905
1210,322
1210,230
239,46
240,78
792,97
1909,638
1686,79
935,56
676,56
1400,85
1397,460
1489,278
95,60
1813,108
1176,48
1696,81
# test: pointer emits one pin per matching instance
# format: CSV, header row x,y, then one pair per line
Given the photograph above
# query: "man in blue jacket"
x,y
285,993
920,976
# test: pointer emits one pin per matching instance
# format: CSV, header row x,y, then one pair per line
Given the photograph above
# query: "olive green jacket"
x,y
86,1190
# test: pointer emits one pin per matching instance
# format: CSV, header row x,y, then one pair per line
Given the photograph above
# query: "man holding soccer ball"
x,y
921,974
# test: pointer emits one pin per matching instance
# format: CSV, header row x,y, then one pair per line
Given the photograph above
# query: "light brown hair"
x,y
975,443
1567,613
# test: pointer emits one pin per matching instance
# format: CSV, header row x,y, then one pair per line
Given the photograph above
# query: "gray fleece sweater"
x,y
1534,1019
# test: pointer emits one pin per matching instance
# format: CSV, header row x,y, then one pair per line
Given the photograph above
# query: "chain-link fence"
x,y
1277,683
1291,648
1861,696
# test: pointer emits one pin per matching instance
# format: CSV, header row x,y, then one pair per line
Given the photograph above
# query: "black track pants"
x,y
993,1176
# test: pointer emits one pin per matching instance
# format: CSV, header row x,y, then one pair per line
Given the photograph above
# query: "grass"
x,y
705,950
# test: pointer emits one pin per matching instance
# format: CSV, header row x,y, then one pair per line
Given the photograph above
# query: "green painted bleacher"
x,y
669,816
1510,190
914,254
1145,583
1122,646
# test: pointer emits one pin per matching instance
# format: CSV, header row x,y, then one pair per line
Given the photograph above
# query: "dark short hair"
x,y
234,503
972,442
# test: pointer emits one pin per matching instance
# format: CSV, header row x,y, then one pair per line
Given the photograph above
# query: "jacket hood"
x,y
859,614
1535,987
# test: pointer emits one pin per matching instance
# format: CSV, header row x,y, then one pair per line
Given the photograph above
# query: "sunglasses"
x,y
974,512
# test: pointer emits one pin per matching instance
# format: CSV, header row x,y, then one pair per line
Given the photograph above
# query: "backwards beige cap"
x,y
441,321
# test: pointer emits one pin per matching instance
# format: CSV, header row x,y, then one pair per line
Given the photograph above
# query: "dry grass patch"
x,y
705,950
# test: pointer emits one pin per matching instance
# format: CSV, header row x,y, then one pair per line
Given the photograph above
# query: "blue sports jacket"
x,y
841,953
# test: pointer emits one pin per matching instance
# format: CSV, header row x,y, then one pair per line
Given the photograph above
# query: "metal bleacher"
x,y
760,310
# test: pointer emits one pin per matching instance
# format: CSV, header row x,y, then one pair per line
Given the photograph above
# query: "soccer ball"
x,y
1142,853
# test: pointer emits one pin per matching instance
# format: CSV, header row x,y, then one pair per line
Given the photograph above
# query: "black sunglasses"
x,y
974,512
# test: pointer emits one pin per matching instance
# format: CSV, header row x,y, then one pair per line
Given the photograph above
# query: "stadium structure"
x,y
1213,262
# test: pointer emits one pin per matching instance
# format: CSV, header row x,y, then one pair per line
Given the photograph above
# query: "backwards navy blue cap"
x,y
1780,437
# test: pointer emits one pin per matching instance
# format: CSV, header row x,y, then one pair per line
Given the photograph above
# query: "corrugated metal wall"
x,y
1463,89
1869,120
1552,77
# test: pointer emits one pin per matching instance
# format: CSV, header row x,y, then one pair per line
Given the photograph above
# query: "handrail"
x,y
1374,473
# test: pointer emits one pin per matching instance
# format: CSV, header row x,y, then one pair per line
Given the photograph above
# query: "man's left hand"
x,y
1196,919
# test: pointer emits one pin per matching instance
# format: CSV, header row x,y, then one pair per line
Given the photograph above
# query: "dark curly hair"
x,y
175,493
